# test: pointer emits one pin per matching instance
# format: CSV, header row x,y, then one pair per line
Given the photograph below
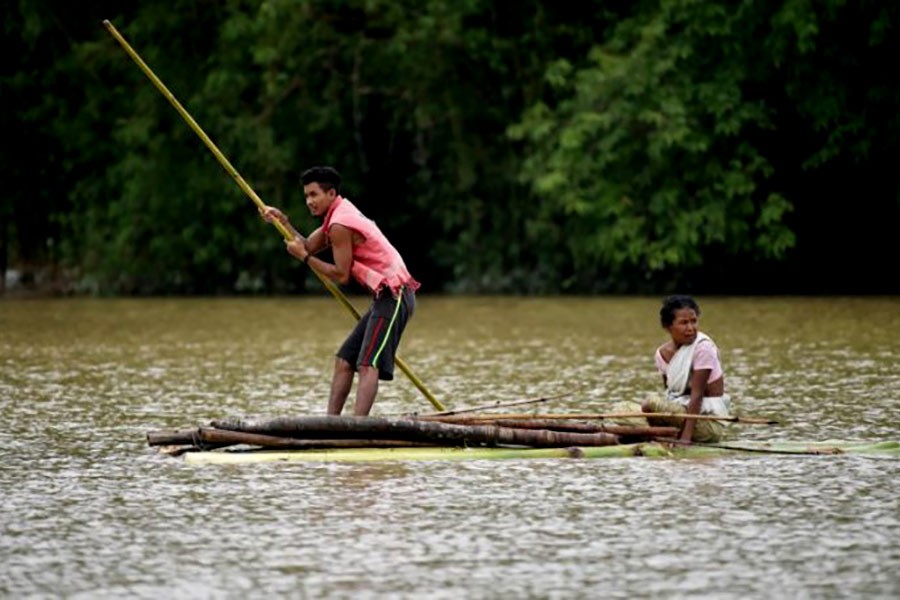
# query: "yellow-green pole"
x,y
330,285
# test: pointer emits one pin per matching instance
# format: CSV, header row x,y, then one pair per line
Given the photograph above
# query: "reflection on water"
x,y
90,511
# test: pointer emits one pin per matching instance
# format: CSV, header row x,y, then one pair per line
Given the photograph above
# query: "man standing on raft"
x,y
360,250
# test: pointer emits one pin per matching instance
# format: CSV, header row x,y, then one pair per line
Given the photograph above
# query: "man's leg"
x,y
342,379
340,386
376,358
366,390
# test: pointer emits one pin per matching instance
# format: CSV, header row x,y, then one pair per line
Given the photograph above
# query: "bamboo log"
x,y
334,427
222,437
190,437
179,440
173,437
572,426
599,416
459,454
414,454
809,450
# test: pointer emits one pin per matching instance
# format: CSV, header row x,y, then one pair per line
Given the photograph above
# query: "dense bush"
x,y
525,147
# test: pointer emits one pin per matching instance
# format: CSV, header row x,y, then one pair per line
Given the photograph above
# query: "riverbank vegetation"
x,y
505,147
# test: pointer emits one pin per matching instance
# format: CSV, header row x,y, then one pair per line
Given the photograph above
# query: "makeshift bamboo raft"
x,y
457,437
646,449
344,432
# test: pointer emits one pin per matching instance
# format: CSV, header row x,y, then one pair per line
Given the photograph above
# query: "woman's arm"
x,y
699,379
662,357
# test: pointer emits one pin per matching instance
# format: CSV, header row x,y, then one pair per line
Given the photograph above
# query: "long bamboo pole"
x,y
592,416
625,431
496,404
226,164
810,451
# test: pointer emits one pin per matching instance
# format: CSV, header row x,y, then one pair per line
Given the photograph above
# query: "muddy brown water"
x,y
90,511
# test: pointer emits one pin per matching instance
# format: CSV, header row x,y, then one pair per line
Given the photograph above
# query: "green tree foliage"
x,y
526,147
409,99
658,150
646,160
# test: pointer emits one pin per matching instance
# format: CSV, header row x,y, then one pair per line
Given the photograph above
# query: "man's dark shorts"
x,y
374,340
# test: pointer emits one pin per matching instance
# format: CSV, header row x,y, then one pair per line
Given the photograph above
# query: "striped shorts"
x,y
374,340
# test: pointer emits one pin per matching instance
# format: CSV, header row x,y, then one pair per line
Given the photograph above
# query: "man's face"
x,y
317,199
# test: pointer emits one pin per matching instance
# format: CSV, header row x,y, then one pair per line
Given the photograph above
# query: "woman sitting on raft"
x,y
692,374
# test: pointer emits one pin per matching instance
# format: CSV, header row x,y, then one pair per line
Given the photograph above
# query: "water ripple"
x,y
90,511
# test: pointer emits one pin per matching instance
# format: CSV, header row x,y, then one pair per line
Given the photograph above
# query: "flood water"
x,y
89,511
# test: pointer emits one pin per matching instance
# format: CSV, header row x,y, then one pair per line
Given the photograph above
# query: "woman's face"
x,y
684,328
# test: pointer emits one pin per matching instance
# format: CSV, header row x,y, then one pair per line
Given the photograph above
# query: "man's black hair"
x,y
327,177
674,303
